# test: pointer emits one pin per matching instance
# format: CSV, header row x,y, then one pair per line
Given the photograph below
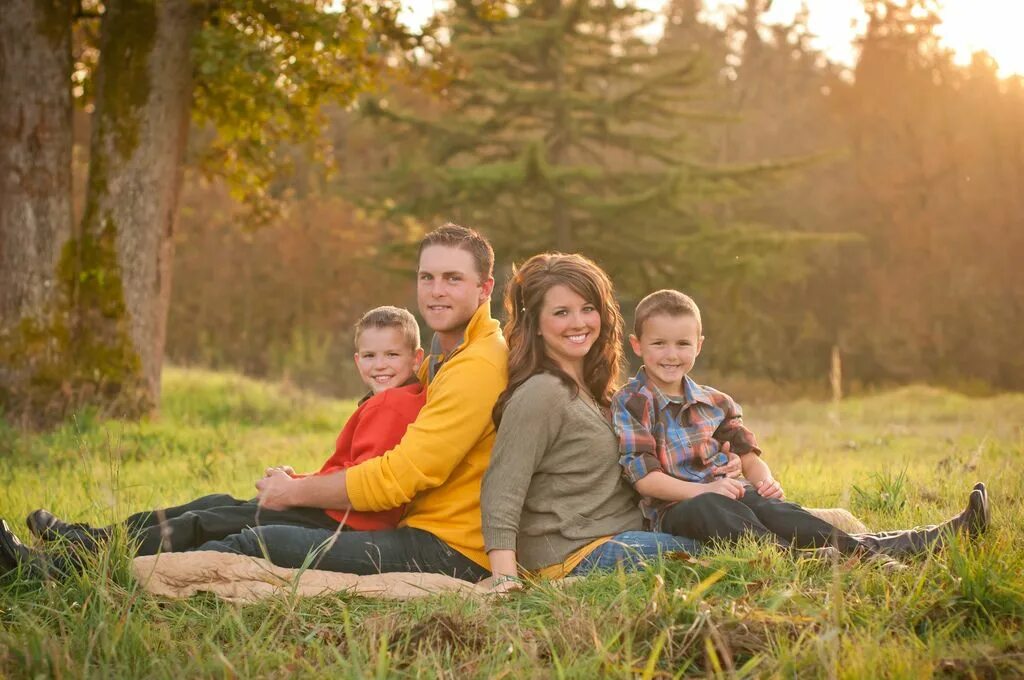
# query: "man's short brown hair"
x,y
470,240
667,302
390,317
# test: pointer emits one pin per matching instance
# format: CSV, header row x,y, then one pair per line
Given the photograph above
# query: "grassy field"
x,y
896,459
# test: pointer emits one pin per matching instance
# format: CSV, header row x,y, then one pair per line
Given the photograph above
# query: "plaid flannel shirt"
x,y
681,437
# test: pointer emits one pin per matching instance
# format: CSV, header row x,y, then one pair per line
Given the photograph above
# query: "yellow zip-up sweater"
x,y
438,466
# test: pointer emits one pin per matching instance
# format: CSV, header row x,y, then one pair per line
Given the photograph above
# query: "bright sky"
x,y
967,25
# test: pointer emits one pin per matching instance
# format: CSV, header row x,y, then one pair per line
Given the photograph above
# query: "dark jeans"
x,y
714,516
186,527
353,552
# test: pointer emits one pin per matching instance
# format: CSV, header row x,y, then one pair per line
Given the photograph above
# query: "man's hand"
x,y
287,469
732,469
770,488
730,488
274,490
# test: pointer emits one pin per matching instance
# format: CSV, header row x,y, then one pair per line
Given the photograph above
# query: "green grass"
x,y
899,458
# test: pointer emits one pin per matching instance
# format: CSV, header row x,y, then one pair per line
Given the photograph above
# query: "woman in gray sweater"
x,y
554,501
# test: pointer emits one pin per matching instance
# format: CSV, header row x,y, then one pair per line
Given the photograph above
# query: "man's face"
x,y
669,347
449,289
385,358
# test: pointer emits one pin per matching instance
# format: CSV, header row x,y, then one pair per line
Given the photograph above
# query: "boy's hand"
x,y
274,490
730,488
287,469
732,469
770,488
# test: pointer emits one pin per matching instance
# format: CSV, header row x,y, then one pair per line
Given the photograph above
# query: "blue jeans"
x,y
353,552
631,548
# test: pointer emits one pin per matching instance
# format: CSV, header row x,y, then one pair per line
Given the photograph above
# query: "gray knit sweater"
x,y
554,483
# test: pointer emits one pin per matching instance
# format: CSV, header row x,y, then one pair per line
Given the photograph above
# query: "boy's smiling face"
x,y
668,346
385,358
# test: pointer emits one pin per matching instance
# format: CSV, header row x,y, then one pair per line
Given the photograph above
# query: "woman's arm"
x,y
504,571
529,428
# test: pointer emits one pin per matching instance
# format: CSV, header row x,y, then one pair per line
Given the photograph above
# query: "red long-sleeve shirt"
x,y
375,428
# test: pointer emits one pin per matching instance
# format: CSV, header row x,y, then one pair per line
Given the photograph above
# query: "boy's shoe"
x,y
15,554
983,516
48,527
974,519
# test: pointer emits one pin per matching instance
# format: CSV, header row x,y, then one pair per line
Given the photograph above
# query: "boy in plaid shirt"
x,y
675,434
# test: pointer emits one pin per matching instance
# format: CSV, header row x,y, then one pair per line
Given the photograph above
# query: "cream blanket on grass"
x,y
238,578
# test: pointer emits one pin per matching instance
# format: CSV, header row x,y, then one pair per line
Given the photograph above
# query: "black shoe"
x,y
14,554
49,527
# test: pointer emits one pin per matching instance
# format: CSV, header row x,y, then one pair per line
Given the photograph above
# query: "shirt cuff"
x,y
356,490
499,539
644,465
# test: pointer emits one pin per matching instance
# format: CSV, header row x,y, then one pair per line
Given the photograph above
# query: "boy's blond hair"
x,y
668,302
390,317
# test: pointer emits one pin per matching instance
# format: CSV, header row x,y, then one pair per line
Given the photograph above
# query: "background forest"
x,y
878,209
873,209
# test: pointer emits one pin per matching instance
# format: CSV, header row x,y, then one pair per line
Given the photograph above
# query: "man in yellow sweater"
x,y
438,466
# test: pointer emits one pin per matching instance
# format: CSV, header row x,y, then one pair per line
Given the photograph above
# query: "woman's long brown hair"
x,y
524,297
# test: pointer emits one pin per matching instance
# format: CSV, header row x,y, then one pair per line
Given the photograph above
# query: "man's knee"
x,y
246,542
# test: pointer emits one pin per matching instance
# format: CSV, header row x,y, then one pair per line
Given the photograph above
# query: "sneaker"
x,y
983,516
974,519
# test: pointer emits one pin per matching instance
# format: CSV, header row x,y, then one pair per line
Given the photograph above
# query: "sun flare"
x,y
990,25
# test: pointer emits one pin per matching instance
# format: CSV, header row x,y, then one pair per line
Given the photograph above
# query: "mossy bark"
x,y
35,153
140,129
98,340
35,177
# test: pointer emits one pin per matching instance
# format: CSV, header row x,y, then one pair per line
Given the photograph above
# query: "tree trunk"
x,y
140,129
35,155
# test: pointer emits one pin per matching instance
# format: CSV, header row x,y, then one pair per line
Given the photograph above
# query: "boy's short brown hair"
x,y
390,317
668,302
470,240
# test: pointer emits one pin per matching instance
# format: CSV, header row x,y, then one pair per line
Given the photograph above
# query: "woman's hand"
x,y
505,583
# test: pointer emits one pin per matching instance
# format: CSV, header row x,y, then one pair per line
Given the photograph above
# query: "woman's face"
x,y
569,326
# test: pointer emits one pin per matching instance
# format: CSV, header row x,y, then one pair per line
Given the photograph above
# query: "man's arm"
x,y
456,417
279,491
380,428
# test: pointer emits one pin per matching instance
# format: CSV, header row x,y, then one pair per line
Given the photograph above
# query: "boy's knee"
x,y
692,517
710,504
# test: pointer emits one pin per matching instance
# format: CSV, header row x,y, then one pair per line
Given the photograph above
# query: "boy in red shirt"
x,y
388,354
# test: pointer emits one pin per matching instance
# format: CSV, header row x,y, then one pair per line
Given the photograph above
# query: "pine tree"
x,y
564,130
